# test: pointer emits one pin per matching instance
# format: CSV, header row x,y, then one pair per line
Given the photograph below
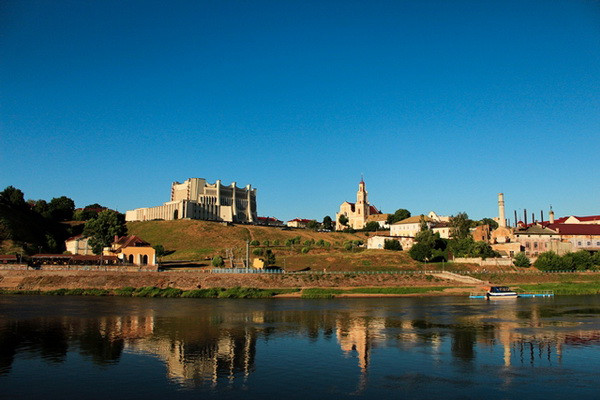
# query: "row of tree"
x,y
38,225
430,246
578,261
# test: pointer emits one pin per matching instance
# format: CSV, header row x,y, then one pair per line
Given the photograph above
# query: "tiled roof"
x,y
576,229
415,219
132,240
301,220
377,217
8,257
268,219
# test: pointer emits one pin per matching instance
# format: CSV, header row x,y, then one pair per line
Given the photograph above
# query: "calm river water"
x,y
444,347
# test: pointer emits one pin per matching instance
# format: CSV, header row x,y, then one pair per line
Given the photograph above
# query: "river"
x,y
417,348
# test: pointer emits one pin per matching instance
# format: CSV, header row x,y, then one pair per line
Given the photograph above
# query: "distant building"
x,y
269,221
381,219
481,233
357,213
298,223
133,250
438,218
197,199
79,245
410,226
378,241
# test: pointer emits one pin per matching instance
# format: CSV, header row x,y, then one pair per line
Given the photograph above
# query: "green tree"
x,y
399,215
266,243
488,221
217,261
313,225
257,251
521,260
269,258
160,250
460,225
372,226
327,223
582,260
255,243
305,250
392,245
343,220
420,252
548,261
61,208
102,229
13,197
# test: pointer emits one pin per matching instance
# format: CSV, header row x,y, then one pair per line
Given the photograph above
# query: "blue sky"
x,y
440,104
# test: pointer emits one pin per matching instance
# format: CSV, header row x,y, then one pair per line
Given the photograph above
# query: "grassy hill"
x,y
201,240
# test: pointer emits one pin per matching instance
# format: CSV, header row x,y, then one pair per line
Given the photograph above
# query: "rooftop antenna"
x,y
362,177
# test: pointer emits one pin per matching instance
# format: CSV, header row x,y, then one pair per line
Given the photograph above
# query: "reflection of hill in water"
x,y
220,344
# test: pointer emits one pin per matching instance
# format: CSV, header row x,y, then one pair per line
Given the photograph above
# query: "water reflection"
x,y
207,343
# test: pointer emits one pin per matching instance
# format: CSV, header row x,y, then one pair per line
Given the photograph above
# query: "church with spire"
x,y
357,213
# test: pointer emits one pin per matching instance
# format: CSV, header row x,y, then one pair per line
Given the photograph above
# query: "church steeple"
x,y
362,203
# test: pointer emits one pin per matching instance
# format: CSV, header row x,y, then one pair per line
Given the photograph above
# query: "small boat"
x,y
500,292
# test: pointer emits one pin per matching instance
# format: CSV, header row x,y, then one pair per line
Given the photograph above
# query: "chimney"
x,y
551,216
542,215
525,216
501,216
533,221
116,238
516,219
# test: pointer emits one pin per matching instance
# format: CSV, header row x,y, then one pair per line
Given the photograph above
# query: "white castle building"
x,y
197,199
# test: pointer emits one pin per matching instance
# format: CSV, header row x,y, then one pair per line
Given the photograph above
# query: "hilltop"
x,y
201,240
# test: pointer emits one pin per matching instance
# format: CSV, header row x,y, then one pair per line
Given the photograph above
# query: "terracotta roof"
x,y
377,217
268,219
576,229
74,238
301,220
8,257
132,240
373,210
415,219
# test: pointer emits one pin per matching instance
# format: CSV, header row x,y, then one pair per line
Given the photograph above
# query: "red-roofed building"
x,y
269,221
133,250
78,245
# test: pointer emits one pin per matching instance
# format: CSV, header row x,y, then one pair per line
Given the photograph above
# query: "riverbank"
x,y
187,284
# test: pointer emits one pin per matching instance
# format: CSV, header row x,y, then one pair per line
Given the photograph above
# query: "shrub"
x,y
320,243
255,243
328,245
275,242
289,242
305,250
266,243
257,252
548,261
348,246
307,243
217,261
521,260
125,291
420,252
392,245
582,260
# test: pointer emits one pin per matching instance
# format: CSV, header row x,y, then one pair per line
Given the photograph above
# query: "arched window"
x,y
144,259
175,214
131,259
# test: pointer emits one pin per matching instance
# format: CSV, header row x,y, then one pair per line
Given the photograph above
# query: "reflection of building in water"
x,y
360,335
197,361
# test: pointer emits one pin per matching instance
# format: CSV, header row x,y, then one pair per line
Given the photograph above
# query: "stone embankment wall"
x,y
49,280
488,262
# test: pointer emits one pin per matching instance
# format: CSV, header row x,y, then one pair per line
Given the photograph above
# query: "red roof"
x,y
132,240
575,229
373,210
268,219
301,220
8,257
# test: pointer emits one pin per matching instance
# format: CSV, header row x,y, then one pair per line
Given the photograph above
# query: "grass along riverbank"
x,y
564,288
152,291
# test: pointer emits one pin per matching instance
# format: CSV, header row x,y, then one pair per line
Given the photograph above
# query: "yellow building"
x,y
132,250
357,213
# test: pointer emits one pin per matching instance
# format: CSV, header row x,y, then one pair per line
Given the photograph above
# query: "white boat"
x,y
500,292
